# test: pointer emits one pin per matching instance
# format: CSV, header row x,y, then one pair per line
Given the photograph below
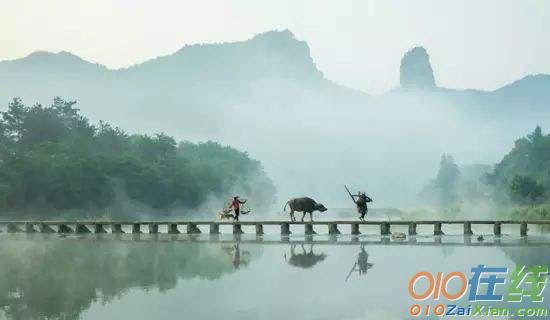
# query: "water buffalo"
x,y
304,205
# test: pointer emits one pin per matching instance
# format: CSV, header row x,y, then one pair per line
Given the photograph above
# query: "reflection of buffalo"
x,y
305,259
304,205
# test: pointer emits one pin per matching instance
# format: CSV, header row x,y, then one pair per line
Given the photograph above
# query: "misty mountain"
x,y
272,69
50,63
525,96
416,70
266,96
207,75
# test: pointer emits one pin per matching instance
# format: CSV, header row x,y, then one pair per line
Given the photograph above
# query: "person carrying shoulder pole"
x,y
361,202
236,206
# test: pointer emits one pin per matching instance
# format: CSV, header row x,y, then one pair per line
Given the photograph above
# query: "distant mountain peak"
x,y
271,35
62,61
416,70
38,54
271,54
43,53
47,56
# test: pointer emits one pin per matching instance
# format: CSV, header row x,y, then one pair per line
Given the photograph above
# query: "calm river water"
x,y
205,277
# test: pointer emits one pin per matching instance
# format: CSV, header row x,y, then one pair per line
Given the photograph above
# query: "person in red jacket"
x,y
236,206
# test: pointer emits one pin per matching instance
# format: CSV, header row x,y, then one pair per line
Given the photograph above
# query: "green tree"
x,y
446,180
524,173
53,159
524,189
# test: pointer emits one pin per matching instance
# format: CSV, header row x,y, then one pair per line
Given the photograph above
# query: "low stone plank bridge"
x,y
191,227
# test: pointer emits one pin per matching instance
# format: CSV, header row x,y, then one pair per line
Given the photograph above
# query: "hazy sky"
x,y
472,43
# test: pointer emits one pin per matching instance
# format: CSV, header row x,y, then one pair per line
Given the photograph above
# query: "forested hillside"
x,y
53,161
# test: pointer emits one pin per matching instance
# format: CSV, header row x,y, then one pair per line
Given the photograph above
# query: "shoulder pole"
x,y
350,195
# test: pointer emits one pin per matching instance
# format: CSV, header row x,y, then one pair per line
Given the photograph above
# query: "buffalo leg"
x,y
303,216
311,216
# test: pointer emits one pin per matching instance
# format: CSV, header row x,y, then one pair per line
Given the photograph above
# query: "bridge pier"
x,y
136,228
193,229
116,228
523,229
285,229
214,228
385,228
468,228
63,228
81,228
467,239
46,228
412,229
153,228
437,229
237,228
173,228
29,228
497,228
98,228
333,228
12,228
309,229
355,229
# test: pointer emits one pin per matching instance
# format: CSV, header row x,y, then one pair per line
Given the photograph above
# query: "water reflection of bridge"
x,y
191,227
321,240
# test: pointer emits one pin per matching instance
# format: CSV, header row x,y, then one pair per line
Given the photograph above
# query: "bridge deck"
x,y
278,222
81,226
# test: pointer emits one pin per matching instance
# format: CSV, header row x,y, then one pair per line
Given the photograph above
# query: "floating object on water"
x,y
398,236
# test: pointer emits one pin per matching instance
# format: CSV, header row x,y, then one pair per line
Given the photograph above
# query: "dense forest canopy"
x,y
523,175
518,185
53,159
